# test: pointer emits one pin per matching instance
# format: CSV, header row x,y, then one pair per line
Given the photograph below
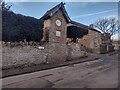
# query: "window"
x,y
58,33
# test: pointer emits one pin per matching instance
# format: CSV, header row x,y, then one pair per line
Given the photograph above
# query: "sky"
x,y
82,12
62,0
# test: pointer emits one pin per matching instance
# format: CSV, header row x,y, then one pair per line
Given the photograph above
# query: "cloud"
x,y
85,4
116,37
94,13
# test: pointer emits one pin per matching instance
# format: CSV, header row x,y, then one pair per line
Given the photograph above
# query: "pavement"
x,y
100,73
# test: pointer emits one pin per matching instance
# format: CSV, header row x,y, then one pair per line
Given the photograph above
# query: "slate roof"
x,y
52,11
84,26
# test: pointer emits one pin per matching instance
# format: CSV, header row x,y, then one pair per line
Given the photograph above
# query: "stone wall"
x,y
116,44
75,51
57,52
91,41
24,56
97,42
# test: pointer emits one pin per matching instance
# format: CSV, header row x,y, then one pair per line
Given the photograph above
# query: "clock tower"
x,y
55,26
55,34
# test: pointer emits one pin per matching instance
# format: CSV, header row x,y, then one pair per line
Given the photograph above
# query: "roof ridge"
x,y
53,10
84,26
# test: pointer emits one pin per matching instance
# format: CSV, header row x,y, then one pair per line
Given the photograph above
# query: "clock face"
x,y
58,22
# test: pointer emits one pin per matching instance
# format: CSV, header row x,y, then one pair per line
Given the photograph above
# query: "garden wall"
x,y
28,55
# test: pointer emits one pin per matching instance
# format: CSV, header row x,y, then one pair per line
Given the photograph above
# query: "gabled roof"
x,y
79,24
84,26
52,11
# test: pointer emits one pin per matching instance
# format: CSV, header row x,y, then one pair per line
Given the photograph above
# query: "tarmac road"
x,y
101,73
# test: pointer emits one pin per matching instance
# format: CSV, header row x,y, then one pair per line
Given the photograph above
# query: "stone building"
x,y
97,42
106,43
91,41
57,24
116,44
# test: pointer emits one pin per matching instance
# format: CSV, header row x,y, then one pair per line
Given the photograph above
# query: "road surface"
x,y
101,73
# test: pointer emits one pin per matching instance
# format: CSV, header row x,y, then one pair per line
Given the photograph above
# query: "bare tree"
x,y
5,6
107,25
